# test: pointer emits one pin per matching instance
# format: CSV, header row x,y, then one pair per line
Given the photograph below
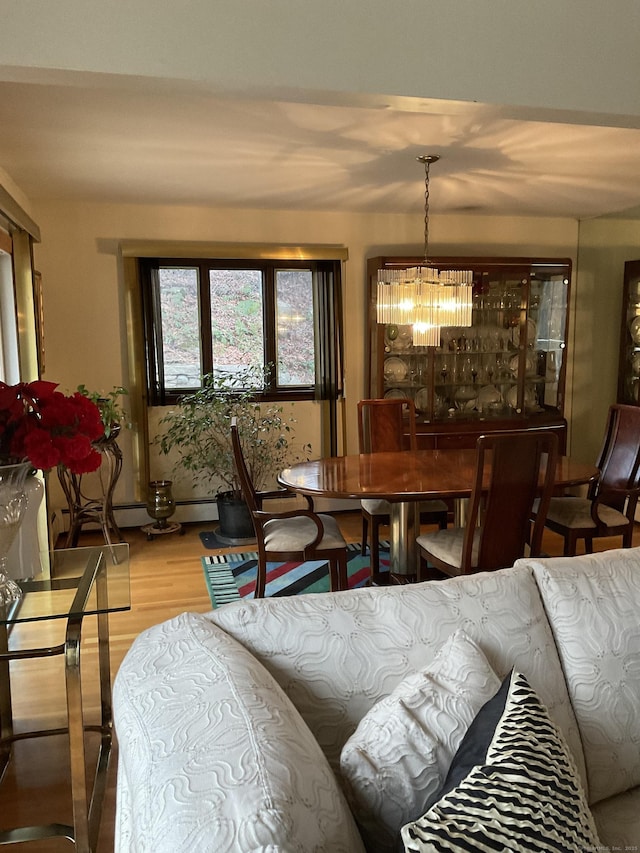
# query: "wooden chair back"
x,y
386,425
248,489
522,468
619,461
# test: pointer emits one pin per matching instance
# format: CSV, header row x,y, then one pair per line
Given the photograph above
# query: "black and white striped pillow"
x,y
512,785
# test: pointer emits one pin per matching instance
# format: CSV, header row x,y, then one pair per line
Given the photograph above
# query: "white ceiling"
x,y
174,144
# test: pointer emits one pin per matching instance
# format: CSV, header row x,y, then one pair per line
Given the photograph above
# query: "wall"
x,y
605,245
85,332
560,56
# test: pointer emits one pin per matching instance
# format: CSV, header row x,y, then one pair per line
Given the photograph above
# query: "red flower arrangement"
x,y
47,428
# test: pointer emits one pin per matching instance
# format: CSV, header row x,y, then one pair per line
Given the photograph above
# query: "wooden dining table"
x,y
404,478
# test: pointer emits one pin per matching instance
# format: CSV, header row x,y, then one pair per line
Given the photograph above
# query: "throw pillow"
x,y
400,753
513,785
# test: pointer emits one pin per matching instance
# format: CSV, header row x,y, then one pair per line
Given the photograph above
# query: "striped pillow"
x,y
513,785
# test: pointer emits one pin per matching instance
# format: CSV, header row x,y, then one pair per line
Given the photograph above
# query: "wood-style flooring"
x,y
166,579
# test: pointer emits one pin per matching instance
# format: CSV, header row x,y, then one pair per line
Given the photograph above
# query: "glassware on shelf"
x,y
466,397
13,503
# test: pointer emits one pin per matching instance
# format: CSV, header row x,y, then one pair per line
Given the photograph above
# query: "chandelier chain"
x,y
426,212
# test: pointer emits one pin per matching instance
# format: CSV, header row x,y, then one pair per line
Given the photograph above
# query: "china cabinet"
x,y
629,370
505,371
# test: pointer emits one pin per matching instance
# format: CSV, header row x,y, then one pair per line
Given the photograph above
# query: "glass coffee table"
x,y
80,582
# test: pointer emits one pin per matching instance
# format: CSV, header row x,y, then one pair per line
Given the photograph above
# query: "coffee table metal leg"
x,y
6,713
76,736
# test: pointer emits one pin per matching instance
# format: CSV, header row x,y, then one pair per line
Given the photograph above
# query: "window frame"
x,y
327,298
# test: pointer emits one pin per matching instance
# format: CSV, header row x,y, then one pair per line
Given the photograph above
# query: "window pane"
x,y
180,327
294,325
236,319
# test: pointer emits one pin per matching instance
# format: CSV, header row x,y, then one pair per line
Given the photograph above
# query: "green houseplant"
x,y
112,412
199,430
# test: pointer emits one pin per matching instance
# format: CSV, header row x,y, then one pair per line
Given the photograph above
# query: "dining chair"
x,y
610,505
298,534
512,469
386,425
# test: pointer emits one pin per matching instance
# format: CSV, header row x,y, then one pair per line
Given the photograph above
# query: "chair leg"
x,y
261,579
588,544
338,577
365,531
375,549
570,545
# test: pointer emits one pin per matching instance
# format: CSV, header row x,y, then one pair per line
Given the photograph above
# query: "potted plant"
x,y
199,429
112,412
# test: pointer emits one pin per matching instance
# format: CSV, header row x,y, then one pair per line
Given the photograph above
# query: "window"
x,y
9,356
203,316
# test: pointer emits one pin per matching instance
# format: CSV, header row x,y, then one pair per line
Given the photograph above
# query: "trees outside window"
x,y
204,317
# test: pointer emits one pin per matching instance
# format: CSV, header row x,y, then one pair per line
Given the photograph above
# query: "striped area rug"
x,y
230,577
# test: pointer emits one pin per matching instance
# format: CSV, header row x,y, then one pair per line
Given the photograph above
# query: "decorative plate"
x,y
395,370
396,393
422,400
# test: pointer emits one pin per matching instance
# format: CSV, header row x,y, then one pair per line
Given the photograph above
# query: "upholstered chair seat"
x,y
576,513
446,546
295,534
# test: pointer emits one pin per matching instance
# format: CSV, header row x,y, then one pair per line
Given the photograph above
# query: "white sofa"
x,y
231,725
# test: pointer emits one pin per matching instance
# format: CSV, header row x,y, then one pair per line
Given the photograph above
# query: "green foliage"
x,y
112,412
200,430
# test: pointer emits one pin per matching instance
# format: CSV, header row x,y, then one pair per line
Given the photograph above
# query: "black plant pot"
x,y
236,526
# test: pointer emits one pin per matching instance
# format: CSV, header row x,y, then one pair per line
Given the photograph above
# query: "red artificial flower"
x,y
46,428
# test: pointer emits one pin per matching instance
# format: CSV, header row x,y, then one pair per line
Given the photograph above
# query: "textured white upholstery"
x,y
335,656
399,755
192,693
594,609
214,757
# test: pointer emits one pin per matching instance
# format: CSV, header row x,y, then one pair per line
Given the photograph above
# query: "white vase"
x,y
23,559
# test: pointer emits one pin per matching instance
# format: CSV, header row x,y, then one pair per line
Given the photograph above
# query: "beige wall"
x,y
85,332
567,55
605,245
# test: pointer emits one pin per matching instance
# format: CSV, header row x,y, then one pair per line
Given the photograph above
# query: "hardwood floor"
x,y
166,579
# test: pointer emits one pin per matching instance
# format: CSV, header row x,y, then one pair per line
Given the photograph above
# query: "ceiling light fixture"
x,y
425,297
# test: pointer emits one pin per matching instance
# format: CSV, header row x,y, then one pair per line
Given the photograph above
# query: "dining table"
x,y
405,478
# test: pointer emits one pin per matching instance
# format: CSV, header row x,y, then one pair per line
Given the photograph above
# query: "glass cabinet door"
x,y
509,362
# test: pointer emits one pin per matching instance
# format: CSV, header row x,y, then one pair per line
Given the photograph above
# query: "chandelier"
x,y
425,297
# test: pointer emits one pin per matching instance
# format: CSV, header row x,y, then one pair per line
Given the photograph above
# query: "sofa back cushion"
x,y
214,756
336,655
593,602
